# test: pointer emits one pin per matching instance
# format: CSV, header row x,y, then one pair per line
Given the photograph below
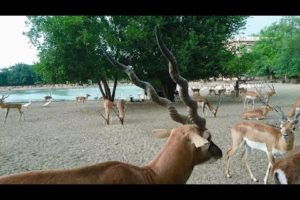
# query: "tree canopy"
x,y
19,74
278,50
68,46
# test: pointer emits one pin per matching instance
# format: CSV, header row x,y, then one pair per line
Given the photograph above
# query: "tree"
x,y
198,42
277,51
67,50
19,74
69,46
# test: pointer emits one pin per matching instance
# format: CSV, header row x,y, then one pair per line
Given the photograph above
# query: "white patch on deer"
x,y
250,97
277,152
262,147
256,145
281,176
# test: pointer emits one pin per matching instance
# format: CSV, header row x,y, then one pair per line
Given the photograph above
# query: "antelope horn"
x,y
295,121
4,97
282,113
149,89
173,70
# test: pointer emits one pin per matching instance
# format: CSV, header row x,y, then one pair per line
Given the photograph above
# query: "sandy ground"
x,y
66,135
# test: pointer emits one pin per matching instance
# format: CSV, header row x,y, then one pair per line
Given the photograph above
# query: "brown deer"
x,y
108,105
187,145
258,136
121,110
287,170
295,108
259,113
205,103
81,99
9,106
250,95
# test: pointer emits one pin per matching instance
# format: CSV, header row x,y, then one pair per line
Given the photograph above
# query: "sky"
x,y
16,48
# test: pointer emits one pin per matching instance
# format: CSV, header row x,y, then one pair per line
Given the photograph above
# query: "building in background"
x,y
235,44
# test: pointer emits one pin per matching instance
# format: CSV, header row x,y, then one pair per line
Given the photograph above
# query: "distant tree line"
x,y
19,74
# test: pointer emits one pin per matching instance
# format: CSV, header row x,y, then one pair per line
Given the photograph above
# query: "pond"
x,y
67,94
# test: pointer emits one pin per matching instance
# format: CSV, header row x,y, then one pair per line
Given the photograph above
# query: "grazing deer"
x,y
187,145
81,99
205,103
287,170
269,94
9,106
295,108
258,136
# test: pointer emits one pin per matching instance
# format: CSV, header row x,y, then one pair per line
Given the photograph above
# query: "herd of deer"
x,y
188,145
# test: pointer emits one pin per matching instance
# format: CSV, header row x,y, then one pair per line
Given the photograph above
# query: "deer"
x,y
82,98
269,94
108,105
287,170
188,145
295,108
258,113
250,95
262,137
205,103
121,110
9,106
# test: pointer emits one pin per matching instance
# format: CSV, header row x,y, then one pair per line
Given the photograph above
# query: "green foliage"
x,y
278,50
68,45
19,74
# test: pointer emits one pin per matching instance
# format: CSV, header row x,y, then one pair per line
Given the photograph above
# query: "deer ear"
x,y
198,140
161,133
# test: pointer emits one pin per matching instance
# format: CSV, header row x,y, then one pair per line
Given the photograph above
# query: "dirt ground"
x,y
66,135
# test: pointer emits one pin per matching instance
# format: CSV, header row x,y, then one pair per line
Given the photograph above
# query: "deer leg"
x,y
21,113
203,108
7,110
253,103
244,158
270,165
229,153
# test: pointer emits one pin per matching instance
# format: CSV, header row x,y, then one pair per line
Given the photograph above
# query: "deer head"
x,y
272,89
3,97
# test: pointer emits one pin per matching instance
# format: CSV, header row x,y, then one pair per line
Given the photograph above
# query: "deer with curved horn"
x,y
192,118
